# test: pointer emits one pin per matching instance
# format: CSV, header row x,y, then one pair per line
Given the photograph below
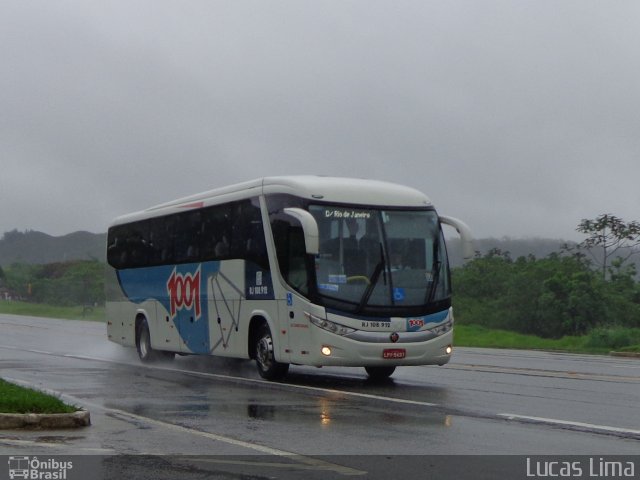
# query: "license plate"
x,y
394,353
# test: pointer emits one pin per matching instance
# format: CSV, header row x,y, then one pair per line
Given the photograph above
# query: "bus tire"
x,y
379,373
143,343
268,367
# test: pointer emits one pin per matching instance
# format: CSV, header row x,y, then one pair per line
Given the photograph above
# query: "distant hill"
x,y
538,247
521,247
34,247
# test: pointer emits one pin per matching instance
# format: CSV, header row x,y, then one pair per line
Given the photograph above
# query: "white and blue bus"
x,y
286,270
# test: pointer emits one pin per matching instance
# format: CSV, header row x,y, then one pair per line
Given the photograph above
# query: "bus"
x,y
19,467
303,270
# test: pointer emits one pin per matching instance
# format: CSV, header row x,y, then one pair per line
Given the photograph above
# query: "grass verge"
x,y
600,341
16,399
77,312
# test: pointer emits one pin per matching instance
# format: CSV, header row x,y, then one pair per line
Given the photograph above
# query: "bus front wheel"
x,y
268,367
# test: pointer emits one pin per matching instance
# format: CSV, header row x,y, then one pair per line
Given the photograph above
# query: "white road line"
x,y
508,416
305,461
332,391
308,462
568,423
279,465
543,373
26,443
12,442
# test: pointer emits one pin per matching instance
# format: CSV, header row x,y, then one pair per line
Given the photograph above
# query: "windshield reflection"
x,y
387,258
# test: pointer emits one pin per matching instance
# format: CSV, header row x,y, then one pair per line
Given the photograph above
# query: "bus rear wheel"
x,y
268,367
379,373
143,345
143,342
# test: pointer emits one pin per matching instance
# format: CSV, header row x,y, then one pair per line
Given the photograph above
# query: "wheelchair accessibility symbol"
x,y
398,294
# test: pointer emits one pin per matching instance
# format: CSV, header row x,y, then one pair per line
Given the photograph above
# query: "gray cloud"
x,y
519,117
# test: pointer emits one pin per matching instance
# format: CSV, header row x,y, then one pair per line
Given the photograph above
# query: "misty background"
x,y
520,118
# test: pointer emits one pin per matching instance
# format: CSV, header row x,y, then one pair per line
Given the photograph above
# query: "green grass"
x,y
16,399
597,342
41,310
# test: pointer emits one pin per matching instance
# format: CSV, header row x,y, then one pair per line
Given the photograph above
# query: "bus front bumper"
x,y
336,350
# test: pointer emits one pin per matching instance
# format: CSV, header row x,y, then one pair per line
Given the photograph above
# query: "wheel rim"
x,y
144,343
264,352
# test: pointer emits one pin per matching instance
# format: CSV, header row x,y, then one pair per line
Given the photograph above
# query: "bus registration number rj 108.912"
x,y
370,324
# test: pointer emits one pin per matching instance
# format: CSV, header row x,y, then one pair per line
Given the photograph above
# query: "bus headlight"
x,y
328,325
443,328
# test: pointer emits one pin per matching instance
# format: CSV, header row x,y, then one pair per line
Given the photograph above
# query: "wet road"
x,y
492,402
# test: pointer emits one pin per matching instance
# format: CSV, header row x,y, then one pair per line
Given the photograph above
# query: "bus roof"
x,y
330,189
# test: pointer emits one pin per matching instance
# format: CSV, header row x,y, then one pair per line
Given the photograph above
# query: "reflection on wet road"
x,y
484,402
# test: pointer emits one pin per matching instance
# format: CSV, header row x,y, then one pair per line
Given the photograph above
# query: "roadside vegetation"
x,y
584,298
73,290
16,399
550,298
74,312
599,341
78,282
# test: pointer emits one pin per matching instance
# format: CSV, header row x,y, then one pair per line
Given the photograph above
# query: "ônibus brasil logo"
x,y
32,468
184,292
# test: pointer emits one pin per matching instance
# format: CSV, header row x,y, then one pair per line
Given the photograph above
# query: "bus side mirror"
x,y
464,231
309,227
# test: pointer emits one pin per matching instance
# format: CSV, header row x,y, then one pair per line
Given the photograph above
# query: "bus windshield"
x,y
379,259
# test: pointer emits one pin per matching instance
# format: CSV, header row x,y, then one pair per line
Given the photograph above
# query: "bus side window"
x,y
297,261
115,244
129,245
253,233
289,238
220,232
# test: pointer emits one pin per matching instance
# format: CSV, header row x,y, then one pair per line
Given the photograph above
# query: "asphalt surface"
x,y
205,417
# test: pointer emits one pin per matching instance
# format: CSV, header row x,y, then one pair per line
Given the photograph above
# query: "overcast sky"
x,y
519,117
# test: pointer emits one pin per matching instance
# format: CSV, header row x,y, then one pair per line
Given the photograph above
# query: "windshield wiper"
x,y
435,279
373,280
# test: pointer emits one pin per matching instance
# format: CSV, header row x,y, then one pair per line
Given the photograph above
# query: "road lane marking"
x,y
303,462
13,442
590,427
625,366
27,443
333,391
543,373
508,416
260,381
307,462
278,465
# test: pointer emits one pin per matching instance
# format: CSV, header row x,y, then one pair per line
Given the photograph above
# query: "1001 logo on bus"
x,y
184,292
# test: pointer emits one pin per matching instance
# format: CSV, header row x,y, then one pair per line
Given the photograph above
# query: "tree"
x,y
611,236
549,297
